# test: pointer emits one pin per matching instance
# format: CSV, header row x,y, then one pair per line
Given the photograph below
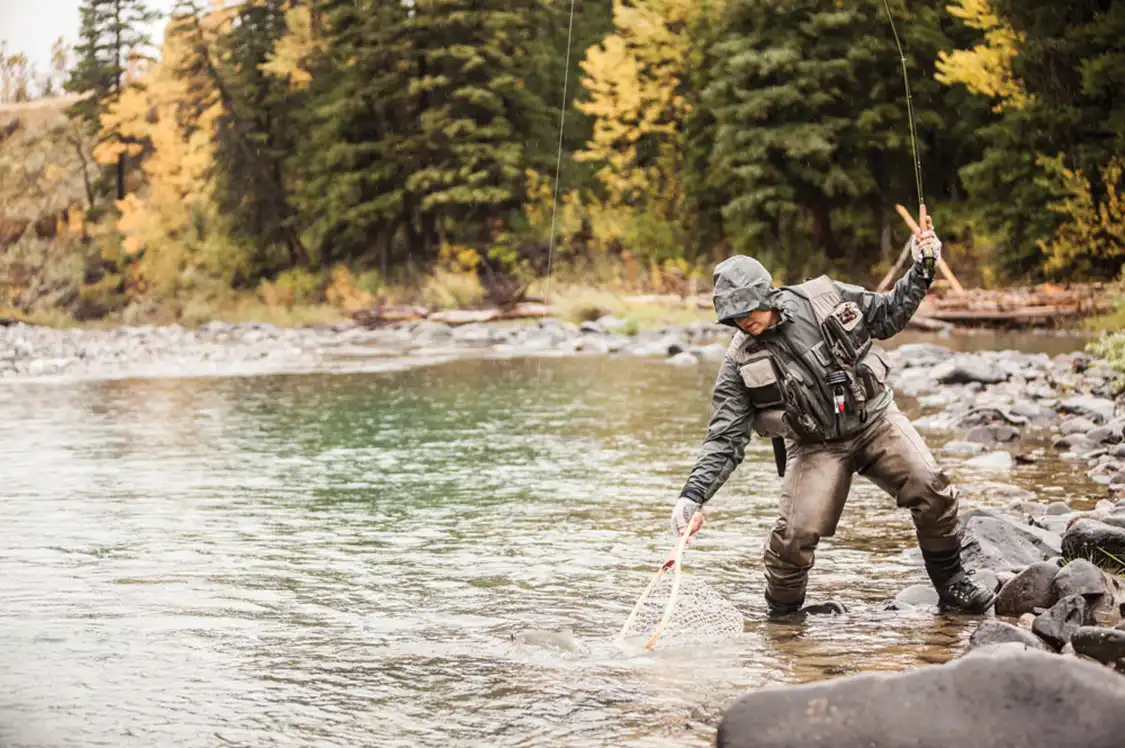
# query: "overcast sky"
x,y
31,26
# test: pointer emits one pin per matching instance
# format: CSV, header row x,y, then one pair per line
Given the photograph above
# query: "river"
x,y
344,559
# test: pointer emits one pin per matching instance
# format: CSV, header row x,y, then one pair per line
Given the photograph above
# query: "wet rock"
x,y
474,334
979,700
1091,538
990,541
963,447
1030,589
994,434
1080,577
936,400
592,344
1074,442
1076,425
987,578
1097,409
563,641
920,355
1105,645
1104,435
682,359
713,352
999,632
915,596
1056,625
999,460
965,369
1115,520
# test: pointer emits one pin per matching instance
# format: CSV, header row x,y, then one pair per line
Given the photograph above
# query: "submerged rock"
x,y
993,461
999,632
563,641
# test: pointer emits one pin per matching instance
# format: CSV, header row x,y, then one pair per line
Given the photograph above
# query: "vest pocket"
x,y
873,371
761,380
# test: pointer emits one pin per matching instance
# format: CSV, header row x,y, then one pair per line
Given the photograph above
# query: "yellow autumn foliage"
x,y
986,68
634,82
161,223
1093,229
295,47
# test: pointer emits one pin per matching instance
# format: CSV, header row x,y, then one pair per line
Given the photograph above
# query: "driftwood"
x,y
389,314
928,324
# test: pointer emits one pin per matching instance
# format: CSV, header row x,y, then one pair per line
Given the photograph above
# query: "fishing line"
x,y
558,155
909,107
558,173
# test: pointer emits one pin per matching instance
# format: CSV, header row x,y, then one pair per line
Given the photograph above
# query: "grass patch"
x,y
579,303
1102,559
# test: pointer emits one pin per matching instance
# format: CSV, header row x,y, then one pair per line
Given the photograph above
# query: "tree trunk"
x,y
121,176
822,228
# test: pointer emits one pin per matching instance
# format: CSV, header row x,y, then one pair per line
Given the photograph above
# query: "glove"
x,y
682,514
926,247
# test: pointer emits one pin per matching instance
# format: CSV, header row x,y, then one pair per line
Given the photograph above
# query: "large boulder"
x,y
994,697
992,541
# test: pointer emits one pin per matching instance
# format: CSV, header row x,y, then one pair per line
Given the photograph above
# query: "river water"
x,y
345,559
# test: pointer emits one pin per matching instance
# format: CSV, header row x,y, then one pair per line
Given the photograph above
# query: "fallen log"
x,y
388,314
1026,314
465,316
929,324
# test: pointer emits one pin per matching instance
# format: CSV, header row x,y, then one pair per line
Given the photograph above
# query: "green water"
x,y
343,559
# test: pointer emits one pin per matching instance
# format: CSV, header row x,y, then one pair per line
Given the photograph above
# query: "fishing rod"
x,y
923,220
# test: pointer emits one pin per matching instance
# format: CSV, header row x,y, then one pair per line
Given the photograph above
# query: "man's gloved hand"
x,y
682,514
926,246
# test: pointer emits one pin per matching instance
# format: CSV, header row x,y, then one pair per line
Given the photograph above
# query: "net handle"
x,y
673,560
693,527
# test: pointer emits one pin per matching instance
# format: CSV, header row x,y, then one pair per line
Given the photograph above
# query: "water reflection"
x,y
344,560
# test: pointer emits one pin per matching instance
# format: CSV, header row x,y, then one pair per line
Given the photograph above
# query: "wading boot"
x,y
800,610
956,590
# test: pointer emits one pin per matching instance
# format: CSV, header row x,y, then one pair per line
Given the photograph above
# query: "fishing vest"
x,y
819,377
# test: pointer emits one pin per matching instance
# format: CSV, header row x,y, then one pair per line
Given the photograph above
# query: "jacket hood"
x,y
742,285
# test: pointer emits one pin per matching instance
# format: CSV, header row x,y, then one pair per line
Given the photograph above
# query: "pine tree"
x,y
467,159
111,32
812,143
360,110
1065,64
256,133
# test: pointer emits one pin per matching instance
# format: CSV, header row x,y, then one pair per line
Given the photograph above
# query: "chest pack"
x,y
821,372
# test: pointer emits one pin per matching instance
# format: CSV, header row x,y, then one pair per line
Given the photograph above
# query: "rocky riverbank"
x,y
230,349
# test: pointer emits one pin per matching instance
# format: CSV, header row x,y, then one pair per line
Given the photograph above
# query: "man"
x,y
802,369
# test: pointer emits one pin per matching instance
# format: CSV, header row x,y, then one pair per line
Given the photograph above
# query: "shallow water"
x,y
343,560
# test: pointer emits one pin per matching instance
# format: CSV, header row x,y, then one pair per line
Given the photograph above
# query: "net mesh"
x,y
700,614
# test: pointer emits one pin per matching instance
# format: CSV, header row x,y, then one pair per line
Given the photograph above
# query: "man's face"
x,y
756,322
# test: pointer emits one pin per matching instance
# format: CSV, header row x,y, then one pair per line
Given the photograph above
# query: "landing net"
x,y
678,608
699,613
